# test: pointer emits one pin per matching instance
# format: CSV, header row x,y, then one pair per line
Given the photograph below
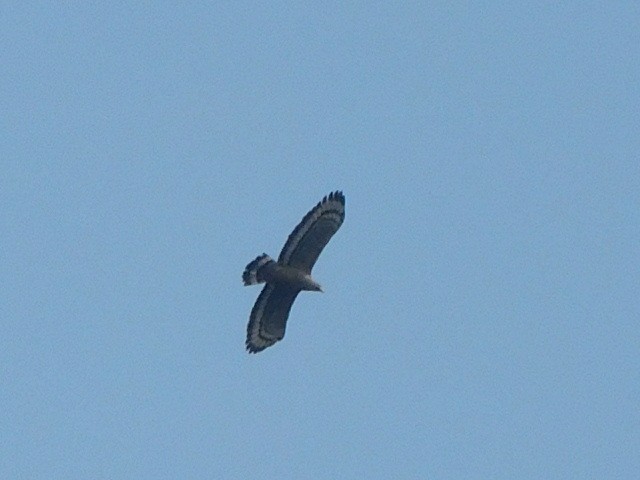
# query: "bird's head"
x,y
312,285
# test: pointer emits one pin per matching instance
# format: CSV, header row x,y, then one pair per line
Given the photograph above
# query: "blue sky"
x,y
481,309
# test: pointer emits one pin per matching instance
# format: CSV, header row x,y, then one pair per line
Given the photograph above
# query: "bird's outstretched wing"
x,y
268,318
307,240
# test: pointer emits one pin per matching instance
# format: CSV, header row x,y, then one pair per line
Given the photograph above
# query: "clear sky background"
x,y
482,309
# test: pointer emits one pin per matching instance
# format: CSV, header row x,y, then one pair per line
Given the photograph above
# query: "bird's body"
x,y
291,273
276,273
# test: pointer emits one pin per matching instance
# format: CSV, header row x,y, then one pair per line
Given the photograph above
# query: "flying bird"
x,y
291,274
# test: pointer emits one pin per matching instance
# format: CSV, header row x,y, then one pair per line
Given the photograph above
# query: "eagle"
x,y
291,274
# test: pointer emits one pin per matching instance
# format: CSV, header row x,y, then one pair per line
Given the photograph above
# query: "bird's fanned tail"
x,y
252,274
